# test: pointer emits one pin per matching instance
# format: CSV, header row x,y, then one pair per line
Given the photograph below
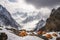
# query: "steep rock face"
x,y
53,22
6,19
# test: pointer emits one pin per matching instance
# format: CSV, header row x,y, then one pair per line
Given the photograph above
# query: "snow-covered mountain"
x,y
25,14
6,19
26,18
40,24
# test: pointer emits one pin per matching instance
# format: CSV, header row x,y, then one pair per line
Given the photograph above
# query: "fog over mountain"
x,y
27,14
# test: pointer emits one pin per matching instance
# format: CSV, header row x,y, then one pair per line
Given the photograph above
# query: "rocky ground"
x,y
12,36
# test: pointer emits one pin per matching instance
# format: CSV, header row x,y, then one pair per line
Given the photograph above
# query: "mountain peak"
x,y
6,18
53,22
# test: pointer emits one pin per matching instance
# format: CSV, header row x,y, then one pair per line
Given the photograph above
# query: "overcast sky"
x,y
44,3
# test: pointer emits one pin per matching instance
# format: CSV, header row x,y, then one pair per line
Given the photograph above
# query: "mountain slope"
x,y
6,19
53,22
40,24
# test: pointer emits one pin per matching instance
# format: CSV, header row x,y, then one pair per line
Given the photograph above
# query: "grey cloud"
x,y
44,3
12,0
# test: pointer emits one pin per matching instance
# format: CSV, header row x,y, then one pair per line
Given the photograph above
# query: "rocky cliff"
x,y
53,22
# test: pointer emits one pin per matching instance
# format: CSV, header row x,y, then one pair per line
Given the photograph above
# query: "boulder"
x,y
58,38
3,36
22,33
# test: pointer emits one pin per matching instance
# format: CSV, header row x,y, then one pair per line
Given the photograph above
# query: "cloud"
x,y
44,3
32,18
12,0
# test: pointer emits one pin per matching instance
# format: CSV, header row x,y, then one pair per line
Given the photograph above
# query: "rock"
x,y
54,34
3,36
53,22
49,36
58,38
44,32
39,32
23,33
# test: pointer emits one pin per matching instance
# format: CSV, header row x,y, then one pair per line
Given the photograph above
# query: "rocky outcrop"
x,y
3,36
53,22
